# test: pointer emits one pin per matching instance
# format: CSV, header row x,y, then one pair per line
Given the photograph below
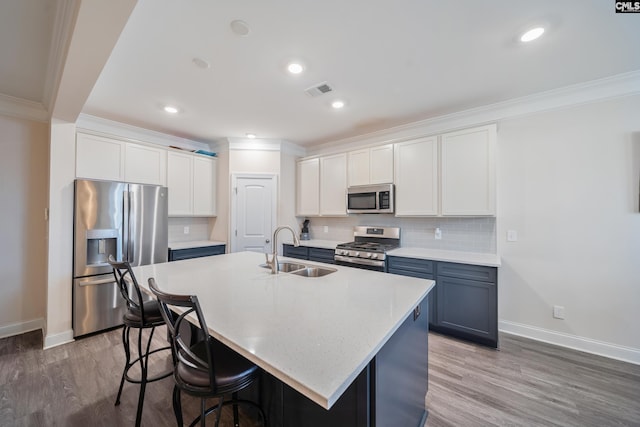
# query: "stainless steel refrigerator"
x,y
128,221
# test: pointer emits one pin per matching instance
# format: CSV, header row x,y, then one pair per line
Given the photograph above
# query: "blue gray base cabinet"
x,y
389,392
464,302
178,254
309,253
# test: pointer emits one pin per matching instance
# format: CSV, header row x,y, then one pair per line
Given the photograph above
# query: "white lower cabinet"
x,y
468,172
191,180
416,177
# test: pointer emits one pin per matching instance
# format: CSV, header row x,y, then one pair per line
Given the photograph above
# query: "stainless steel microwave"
x,y
377,198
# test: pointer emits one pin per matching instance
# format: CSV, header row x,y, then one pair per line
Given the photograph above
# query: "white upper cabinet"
x,y
191,180
416,177
468,172
371,165
381,164
204,186
333,185
99,158
308,187
145,165
111,159
180,183
358,167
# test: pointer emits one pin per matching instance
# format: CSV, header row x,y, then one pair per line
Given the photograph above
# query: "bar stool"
x,y
206,368
140,315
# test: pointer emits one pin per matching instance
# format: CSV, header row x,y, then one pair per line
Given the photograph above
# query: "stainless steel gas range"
x,y
369,249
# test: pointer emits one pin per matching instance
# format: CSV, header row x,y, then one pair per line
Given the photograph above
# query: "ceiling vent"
x,y
318,89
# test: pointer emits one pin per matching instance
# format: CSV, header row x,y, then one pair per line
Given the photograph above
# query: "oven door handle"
x,y
363,261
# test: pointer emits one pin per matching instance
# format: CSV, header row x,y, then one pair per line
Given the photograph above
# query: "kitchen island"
x,y
348,347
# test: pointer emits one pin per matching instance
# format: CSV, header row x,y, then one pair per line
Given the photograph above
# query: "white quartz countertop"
x,y
315,334
194,244
315,243
473,258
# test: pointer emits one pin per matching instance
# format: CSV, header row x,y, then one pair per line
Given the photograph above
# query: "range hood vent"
x,y
318,89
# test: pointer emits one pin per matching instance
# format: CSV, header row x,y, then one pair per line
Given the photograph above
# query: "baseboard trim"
x,y
21,327
54,340
600,348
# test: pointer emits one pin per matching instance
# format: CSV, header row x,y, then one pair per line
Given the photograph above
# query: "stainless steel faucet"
x,y
274,259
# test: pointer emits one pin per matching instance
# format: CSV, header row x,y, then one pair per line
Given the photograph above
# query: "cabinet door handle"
x,y
267,241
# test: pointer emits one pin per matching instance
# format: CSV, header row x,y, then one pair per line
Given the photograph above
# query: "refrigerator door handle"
x,y
97,282
126,231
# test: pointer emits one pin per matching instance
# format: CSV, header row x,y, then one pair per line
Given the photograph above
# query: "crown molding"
x,y
620,85
22,108
262,145
64,22
98,125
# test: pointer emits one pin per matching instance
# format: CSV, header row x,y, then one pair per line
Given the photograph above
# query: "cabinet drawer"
x,y
321,255
301,252
465,271
176,255
410,265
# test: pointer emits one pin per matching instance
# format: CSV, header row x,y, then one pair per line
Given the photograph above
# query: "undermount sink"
x,y
302,269
286,267
309,271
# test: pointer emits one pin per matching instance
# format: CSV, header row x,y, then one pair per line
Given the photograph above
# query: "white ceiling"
x,y
392,62
26,27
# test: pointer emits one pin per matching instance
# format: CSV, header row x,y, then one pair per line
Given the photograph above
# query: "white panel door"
x,y
416,177
254,214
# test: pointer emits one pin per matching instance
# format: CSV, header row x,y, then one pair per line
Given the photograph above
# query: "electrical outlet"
x,y
186,230
326,228
512,236
438,234
558,312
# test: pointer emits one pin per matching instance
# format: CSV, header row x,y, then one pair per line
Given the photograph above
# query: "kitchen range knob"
x,y
356,254
374,256
367,255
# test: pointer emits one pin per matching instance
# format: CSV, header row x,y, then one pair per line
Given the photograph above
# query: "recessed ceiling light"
x,y
295,68
170,109
240,28
532,34
251,135
337,104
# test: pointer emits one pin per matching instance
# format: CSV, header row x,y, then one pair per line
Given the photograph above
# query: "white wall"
x,y
568,183
23,191
62,167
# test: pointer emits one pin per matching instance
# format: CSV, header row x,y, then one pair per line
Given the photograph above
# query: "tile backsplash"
x,y
459,234
198,229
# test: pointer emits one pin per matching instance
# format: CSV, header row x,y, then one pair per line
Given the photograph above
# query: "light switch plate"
x,y
186,230
512,236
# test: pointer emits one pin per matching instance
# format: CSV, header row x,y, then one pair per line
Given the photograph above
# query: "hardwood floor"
x,y
526,383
